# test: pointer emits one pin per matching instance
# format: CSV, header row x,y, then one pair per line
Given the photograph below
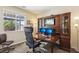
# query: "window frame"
x,y
15,17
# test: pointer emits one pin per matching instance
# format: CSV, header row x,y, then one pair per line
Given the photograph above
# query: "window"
x,y
13,22
9,25
20,22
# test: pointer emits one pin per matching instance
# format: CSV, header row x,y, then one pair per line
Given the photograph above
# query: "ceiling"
x,y
37,9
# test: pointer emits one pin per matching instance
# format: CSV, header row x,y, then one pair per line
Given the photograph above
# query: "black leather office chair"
x,y
29,38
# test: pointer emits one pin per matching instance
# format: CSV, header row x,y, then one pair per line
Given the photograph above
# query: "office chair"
x,y
30,41
5,44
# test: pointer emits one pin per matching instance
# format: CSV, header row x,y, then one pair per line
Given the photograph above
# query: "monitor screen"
x,y
42,30
47,31
50,31
50,21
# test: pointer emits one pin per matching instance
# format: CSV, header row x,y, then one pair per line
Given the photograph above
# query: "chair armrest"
x,y
7,42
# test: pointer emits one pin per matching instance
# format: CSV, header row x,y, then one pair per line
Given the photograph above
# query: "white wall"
x,y
16,36
74,13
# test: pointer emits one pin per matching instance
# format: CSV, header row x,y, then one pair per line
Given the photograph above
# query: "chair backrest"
x,y
29,37
3,38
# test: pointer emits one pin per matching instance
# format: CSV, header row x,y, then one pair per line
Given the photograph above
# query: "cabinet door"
x,y
67,45
57,23
65,42
65,23
62,43
65,31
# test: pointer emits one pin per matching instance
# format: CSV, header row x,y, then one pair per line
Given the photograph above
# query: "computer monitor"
x,y
50,31
42,30
47,31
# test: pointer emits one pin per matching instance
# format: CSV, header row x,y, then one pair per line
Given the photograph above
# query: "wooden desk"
x,y
52,40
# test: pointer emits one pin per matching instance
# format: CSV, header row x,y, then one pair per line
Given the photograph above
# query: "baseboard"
x,y
17,43
75,49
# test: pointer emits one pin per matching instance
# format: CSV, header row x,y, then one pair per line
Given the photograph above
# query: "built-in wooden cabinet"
x,y
62,26
57,23
46,23
54,19
42,22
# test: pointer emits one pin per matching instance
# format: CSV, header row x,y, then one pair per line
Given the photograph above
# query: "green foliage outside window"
x,y
9,25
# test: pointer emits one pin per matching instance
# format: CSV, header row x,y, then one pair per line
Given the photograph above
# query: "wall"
x,y
17,36
74,13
